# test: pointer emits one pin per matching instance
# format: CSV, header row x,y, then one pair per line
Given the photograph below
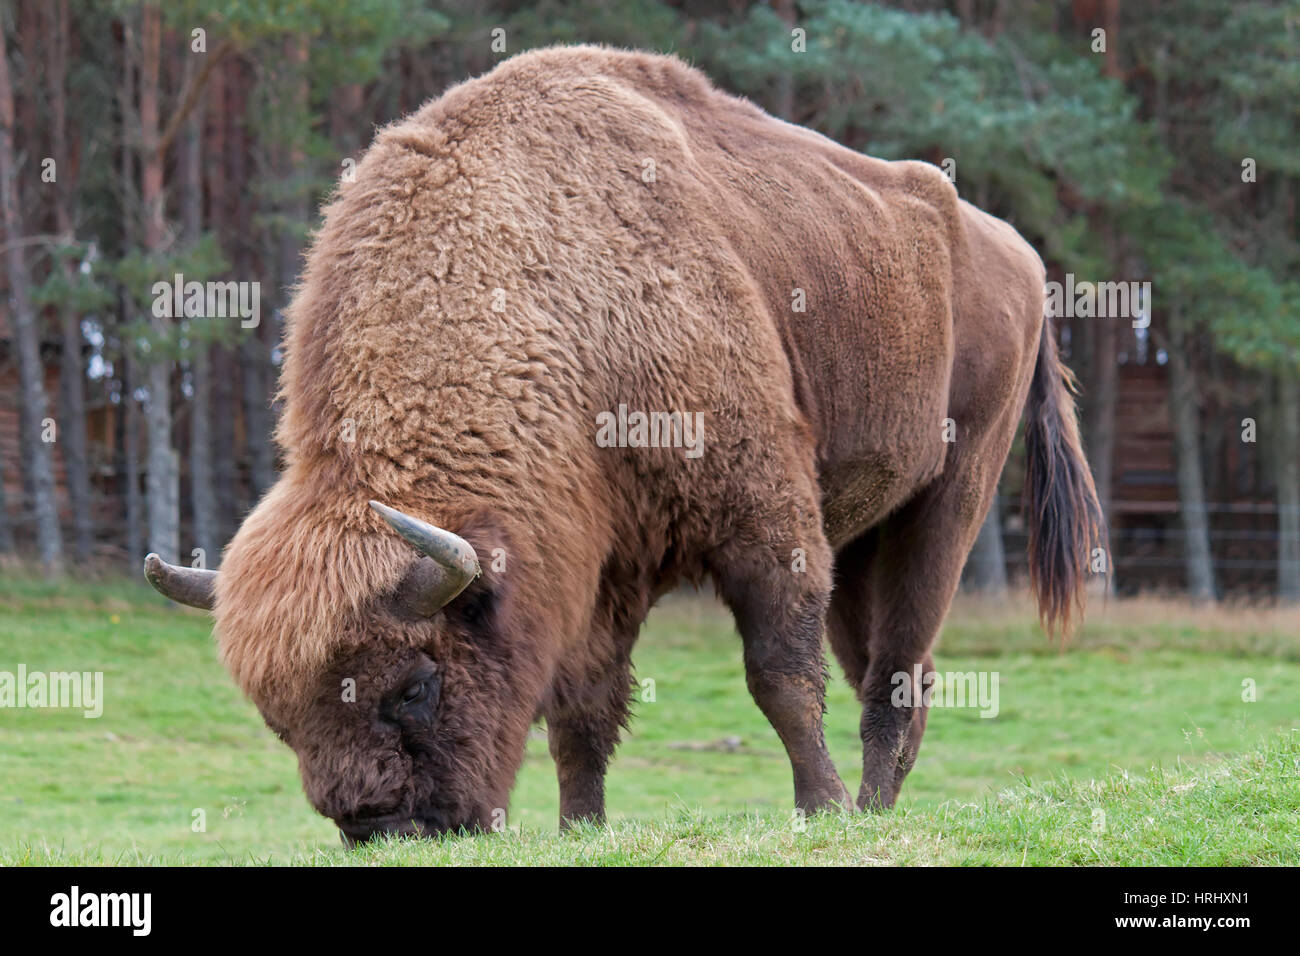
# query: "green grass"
x,y
1142,719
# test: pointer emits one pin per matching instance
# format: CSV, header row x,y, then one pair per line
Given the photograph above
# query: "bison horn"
x,y
196,587
450,563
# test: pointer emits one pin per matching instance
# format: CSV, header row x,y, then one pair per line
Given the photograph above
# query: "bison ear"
x,y
447,567
196,587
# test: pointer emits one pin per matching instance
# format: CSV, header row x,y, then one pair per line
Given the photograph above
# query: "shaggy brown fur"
x,y
503,270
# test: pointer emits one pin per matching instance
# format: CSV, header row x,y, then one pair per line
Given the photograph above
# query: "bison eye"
x,y
415,692
414,700
474,608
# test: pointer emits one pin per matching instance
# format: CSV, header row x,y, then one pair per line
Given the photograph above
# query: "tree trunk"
x,y
72,435
254,351
37,457
296,210
131,457
225,478
257,412
202,495
1110,22
986,566
26,97
1102,335
72,376
1288,490
225,472
164,464
6,529
128,470
346,106
164,530
293,158
1183,411
783,98
1101,433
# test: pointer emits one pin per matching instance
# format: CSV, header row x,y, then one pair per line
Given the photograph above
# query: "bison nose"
x,y
357,830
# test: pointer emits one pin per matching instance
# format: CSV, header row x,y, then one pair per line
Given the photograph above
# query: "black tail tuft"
x,y
1064,516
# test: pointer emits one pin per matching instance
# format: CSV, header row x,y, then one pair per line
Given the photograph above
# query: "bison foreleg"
x,y
581,743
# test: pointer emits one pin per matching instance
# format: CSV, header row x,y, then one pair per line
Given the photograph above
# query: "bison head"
x,y
407,724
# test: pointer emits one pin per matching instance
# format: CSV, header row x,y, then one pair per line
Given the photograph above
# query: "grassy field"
x,y
1133,746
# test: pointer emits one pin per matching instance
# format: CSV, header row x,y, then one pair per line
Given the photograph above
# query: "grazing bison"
x,y
581,235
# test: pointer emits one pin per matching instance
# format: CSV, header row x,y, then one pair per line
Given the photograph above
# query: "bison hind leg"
x,y
894,585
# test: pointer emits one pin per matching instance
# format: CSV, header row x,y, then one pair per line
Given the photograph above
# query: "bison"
x,y
451,555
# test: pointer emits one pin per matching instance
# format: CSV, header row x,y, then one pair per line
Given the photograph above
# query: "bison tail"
x,y
1064,516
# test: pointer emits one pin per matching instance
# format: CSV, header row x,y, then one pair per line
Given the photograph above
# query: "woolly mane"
x,y
293,579
406,380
